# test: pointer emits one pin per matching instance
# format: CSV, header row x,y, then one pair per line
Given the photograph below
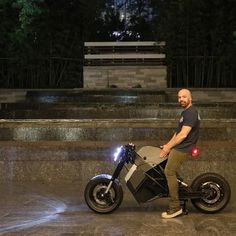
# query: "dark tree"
x,y
200,37
41,41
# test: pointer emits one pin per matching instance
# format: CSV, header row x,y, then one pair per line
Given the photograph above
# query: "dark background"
x,y
41,41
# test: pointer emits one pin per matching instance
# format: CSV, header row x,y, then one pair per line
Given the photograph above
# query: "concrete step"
x,y
96,96
115,111
72,150
109,130
98,151
82,95
72,161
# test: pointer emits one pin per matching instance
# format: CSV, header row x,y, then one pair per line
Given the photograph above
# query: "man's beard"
x,y
184,104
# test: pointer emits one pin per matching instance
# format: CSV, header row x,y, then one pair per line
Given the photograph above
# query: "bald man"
x,y
178,148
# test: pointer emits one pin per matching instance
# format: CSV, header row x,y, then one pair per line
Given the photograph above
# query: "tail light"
x,y
195,152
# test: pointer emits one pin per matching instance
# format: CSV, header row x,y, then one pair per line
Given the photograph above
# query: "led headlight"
x,y
117,153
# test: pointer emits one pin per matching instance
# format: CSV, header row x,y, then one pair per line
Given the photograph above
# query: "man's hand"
x,y
165,150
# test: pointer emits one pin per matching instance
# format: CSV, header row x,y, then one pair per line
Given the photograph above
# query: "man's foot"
x,y
171,213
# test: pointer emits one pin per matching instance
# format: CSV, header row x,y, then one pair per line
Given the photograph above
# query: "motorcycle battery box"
x,y
137,180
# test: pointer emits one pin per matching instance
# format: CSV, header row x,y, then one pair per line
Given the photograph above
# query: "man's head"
x,y
185,98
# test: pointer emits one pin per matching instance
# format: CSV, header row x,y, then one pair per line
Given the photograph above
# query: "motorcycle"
x,y
145,178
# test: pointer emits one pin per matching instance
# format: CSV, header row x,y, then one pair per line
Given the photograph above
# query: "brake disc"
x,y
99,194
214,195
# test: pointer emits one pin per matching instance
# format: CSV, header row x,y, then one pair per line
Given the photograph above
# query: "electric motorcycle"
x,y
145,178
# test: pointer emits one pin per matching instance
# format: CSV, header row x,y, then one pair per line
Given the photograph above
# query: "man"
x,y
178,148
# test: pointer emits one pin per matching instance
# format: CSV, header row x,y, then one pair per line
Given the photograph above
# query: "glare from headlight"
x,y
117,153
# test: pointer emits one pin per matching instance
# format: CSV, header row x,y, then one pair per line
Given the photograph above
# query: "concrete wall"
x,y
125,76
72,150
199,94
12,95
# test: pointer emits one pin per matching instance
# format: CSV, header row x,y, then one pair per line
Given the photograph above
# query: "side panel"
x,y
147,185
145,178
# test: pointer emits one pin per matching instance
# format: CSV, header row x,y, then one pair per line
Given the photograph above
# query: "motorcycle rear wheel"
x,y
94,194
215,192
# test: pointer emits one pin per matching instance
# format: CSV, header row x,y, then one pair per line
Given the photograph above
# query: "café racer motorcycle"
x,y
145,178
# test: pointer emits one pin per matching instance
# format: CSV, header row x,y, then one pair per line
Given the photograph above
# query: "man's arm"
x,y
176,139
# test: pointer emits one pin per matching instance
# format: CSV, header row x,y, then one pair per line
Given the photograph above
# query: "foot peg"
x,y
183,205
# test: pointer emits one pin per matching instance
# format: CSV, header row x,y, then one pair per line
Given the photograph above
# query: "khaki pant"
x,y
175,159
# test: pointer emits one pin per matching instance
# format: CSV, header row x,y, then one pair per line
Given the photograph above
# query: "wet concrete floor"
x,y
40,209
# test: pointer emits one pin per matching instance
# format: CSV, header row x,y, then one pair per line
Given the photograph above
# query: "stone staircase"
x,y
55,136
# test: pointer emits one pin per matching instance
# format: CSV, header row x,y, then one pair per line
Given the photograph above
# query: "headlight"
x,y
117,153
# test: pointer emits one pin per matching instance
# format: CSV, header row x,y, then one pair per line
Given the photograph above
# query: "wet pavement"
x,y
40,209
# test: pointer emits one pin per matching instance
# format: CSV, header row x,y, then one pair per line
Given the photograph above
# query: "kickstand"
x,y
183,205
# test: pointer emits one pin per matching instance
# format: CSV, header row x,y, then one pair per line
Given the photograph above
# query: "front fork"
x,y
115,175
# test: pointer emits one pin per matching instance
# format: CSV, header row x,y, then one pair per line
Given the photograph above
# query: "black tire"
x,y
215,192
95,187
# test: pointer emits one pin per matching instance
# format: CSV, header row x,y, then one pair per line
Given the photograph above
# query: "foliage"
x,y
201,49
44,46
29,9
41,41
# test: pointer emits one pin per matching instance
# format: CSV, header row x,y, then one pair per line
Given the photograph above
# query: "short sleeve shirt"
x,y
189,117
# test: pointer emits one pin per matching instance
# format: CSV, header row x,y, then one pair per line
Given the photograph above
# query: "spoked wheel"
x,y
96,197
215,192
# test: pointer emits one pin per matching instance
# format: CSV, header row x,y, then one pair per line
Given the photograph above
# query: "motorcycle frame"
x,y
157,185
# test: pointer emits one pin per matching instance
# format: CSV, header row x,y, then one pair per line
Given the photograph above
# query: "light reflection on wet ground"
x,y
60,210
21,212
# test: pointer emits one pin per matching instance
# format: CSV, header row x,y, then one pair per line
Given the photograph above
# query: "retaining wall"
x,y
71,150
70,135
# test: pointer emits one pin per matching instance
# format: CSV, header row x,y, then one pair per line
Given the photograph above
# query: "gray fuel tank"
x,y
151,155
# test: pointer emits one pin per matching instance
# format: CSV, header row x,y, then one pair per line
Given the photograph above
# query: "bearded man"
x,y
178,148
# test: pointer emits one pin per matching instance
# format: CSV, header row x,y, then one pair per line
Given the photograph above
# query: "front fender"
x,y
105,176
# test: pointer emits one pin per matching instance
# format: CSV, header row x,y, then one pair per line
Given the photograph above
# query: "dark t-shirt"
x,y
189,117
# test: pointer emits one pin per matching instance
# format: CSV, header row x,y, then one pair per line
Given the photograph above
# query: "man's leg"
x,y
174,162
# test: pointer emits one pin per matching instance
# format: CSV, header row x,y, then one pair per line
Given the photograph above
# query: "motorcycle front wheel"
x,y
96,198
215,192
